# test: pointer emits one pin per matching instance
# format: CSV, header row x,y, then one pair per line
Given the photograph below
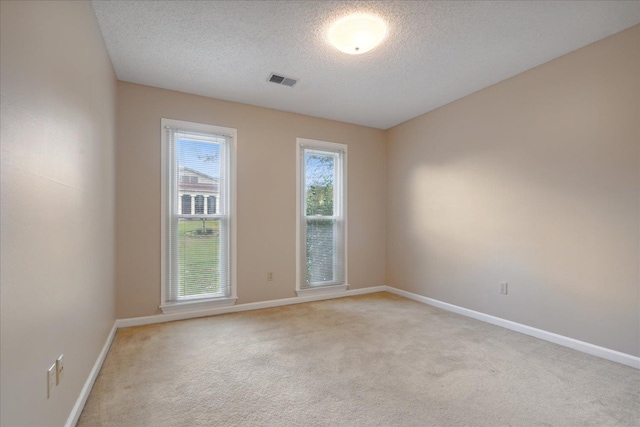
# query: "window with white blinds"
x,y
198,221
321,225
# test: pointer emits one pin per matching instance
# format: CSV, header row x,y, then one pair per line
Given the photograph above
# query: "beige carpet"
x,y
372,360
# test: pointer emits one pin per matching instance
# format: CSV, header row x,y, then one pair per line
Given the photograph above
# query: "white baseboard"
x,y
88,385
161,318
585,347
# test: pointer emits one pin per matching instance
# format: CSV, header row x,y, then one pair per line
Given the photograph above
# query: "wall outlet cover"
x,y
51,380
504,288
59,369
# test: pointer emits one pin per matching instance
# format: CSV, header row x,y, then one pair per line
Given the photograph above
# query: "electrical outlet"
x,y
270,276
51,380
59,369
504,288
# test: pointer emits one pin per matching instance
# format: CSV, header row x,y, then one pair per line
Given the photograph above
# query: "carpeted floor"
x,y
371,360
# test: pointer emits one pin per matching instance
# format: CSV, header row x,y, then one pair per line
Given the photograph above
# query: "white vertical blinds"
x,y
198,215
322,227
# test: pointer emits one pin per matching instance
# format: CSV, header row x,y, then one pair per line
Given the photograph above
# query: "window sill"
x,y
316,290
179,307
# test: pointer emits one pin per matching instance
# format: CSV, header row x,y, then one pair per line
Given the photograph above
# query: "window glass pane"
x,y
186,204
211,204
198,257
319,182
320,250
198,171
199,205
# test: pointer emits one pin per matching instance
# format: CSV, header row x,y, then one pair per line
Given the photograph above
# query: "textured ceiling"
x,y
435,53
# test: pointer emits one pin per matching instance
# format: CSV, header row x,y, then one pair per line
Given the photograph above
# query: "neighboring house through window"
x,y
198,220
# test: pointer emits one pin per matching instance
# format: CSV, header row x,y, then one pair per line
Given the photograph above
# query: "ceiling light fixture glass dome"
x,y
357,34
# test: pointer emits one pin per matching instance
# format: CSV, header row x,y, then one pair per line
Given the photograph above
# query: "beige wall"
x,y
57,204
534,181
266,194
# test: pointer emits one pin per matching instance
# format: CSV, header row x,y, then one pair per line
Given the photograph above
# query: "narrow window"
x,y
198,246
199,205
211,204
186,204
322,217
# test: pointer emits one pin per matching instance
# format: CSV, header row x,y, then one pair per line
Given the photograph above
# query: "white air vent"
x,y
282,80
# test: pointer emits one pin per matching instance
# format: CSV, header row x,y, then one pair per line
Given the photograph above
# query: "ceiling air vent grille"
x,y
282,80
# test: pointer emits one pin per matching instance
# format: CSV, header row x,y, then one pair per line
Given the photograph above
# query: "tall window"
x,y
186,203
198,246
321,226
199,205
211,204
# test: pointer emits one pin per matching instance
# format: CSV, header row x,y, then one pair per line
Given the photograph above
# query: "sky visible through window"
x,y
319,180
202,156
319,169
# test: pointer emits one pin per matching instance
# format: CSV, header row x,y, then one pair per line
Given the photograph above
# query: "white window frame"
x,y
166,305
301,145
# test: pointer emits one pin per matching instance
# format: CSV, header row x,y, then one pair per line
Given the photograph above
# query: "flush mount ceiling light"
x,y
356,34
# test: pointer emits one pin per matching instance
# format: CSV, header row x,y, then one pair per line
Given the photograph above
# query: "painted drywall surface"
x,y
533,181
266,197
57,205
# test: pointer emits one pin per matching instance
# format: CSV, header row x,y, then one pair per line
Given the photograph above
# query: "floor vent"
x,y
282,80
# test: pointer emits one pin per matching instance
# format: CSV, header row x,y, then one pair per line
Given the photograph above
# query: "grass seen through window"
x,y
198,257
